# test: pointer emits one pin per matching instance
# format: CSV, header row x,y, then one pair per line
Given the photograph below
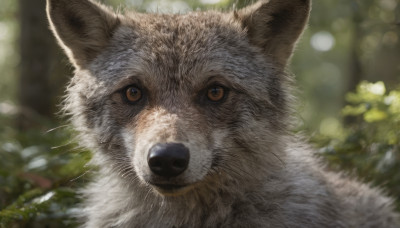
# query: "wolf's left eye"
x,y
216,93
133,94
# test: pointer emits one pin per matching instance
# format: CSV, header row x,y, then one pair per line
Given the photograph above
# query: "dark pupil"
x,y
133,92
215,92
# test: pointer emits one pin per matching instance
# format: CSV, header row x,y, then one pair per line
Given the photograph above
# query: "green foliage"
x,y
369,142
38,181
40,172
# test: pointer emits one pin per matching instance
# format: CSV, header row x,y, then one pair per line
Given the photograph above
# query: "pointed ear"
x,y
275,25
82,27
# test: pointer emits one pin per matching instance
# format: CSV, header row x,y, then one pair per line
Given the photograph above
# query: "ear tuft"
x,y
82,27
275,25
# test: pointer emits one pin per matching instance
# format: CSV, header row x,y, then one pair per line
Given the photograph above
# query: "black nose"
x,y
168,159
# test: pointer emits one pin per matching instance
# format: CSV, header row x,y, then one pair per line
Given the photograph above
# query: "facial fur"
x,y
191,53
208,93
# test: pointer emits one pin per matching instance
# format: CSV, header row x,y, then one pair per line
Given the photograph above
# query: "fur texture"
x,y
245,169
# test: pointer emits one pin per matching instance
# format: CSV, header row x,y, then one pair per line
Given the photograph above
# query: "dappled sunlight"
x,y
346,68
166,6
322,41
210,1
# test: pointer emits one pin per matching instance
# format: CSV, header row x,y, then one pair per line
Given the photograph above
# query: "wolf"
x,y
188,116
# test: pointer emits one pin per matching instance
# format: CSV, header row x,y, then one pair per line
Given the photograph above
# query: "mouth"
x,y
169,189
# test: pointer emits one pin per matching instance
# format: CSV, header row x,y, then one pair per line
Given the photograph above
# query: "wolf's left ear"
x,y
82,27
275,25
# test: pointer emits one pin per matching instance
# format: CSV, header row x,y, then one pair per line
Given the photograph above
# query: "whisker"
x,y
80,176
58,147
56,128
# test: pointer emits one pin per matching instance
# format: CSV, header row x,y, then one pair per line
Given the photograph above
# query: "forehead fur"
x,y
85,28
182,52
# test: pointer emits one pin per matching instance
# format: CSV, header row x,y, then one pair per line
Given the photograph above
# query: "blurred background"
x,y
347,68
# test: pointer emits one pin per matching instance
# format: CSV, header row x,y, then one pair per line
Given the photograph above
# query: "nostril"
x,y
155,163
181,164
168,159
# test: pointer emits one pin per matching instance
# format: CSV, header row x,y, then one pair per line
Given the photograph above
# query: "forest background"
x,y
347,68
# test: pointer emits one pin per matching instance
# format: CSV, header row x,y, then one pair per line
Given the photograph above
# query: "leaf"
x,y
38,180
374,115
354,110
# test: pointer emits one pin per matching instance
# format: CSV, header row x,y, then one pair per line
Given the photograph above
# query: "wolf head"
x,y
179,103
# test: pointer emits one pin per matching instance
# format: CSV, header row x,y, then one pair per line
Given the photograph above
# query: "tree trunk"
x,y
356,72
40,60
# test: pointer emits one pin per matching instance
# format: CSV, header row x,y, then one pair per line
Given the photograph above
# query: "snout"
x,y
169,153
168,160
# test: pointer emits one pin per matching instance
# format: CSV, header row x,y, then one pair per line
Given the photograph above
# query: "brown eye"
x,y
216,93
133,94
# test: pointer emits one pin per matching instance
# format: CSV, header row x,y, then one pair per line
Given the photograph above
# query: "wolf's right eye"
x,y
133,94
216,93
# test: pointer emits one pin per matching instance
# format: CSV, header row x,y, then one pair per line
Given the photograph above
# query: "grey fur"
x,y
246,170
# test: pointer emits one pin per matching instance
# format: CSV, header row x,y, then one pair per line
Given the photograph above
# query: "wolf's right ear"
x,y
82,27
275,25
